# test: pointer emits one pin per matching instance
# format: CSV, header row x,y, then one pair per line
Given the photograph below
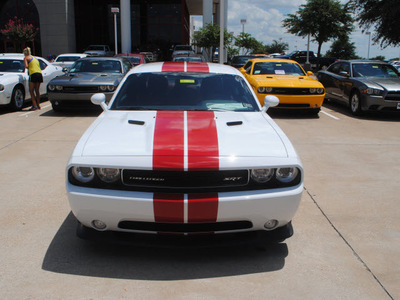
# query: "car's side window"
x,y
334,68
42,64
344,67
247,67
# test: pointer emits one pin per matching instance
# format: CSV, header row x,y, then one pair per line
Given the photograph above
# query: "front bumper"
x,y
296,101
115,208
378,103
64,97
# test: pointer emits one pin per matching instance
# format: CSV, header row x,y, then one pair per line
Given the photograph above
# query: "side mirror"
x,y
344,73
310,73
270,101
65,70
99,99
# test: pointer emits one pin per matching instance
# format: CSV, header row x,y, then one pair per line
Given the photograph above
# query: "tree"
x,y
18,32
323,20
276,47
249,43
342,48
208,37
383,15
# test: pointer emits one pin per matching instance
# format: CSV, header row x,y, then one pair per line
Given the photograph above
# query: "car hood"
x,y
286,81
177,134
386,83
87,78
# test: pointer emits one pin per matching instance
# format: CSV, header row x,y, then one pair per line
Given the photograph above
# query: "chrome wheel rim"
x,y
355,102
19,98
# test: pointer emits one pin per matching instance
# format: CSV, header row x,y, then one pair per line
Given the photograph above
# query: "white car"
x,y
184,149
14,79
66,60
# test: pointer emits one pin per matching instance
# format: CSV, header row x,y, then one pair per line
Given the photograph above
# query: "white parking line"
x,y
329,115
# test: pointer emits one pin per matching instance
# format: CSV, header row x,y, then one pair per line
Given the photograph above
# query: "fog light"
x,y
99,225
271,224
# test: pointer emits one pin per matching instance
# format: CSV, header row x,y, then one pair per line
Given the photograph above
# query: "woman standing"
x,y
35,77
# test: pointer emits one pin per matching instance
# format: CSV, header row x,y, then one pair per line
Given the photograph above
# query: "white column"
x,y
125,6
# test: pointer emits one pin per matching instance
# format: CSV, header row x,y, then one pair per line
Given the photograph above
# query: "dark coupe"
x,y
86,77
363,85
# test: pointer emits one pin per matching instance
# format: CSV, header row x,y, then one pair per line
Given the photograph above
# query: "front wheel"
x,y
17,98
355,103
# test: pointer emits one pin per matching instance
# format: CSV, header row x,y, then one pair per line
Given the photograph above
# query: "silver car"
x,y
364,85
86,77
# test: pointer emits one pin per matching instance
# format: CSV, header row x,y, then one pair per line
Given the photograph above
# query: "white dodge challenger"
x,y
184,149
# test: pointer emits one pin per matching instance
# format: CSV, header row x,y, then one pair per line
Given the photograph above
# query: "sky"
x,y
264,22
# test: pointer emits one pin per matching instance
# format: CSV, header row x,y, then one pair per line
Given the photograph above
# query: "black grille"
x,y
393,96
81,89
185,227
178,179
294,105
291,91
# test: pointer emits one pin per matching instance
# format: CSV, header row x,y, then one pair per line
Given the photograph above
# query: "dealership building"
x,y
68,26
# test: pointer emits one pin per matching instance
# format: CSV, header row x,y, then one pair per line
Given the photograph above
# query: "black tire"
x,y
355,103
56,106
17,98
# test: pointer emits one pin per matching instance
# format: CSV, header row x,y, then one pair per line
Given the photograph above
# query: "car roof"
x,y
73,54
273,60
362,61
181,67
103,58
16,56
130,54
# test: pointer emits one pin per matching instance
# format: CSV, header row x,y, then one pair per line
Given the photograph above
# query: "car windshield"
x,y
188,58
277,68
12,65
183,48
133,59
374,70
184,91
96,66
67,58
241,59
96,48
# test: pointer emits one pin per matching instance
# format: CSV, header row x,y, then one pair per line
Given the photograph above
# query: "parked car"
x,y
135,58
86,77
14,79
301,58
363,85
287,80
184,148
149,55
67,60
189,57
182,50
99,50
239,61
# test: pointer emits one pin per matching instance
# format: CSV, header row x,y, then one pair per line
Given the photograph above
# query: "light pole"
x,y
115,11
369,41
243,21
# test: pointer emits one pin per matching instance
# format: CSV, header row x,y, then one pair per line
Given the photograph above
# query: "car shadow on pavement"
x,y
77,112
370,115
68,254
291,114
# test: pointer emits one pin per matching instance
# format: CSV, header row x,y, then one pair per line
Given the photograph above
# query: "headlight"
x,y
103,88
51,87
108,175
110,88
375,92
59,87
262,175
83,174
320,91
261,89
286,175
1,87
312,91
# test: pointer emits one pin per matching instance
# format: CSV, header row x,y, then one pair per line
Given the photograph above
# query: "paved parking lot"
x,y
347,230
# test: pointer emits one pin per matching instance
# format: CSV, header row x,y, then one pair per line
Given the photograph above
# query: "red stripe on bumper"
x,y
168,207
202,208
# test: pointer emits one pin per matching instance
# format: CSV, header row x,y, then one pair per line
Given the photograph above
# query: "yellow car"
x,y
287,80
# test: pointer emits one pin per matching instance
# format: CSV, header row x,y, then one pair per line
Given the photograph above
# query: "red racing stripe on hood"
x,y
197,67
172,66
203,153
168,145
